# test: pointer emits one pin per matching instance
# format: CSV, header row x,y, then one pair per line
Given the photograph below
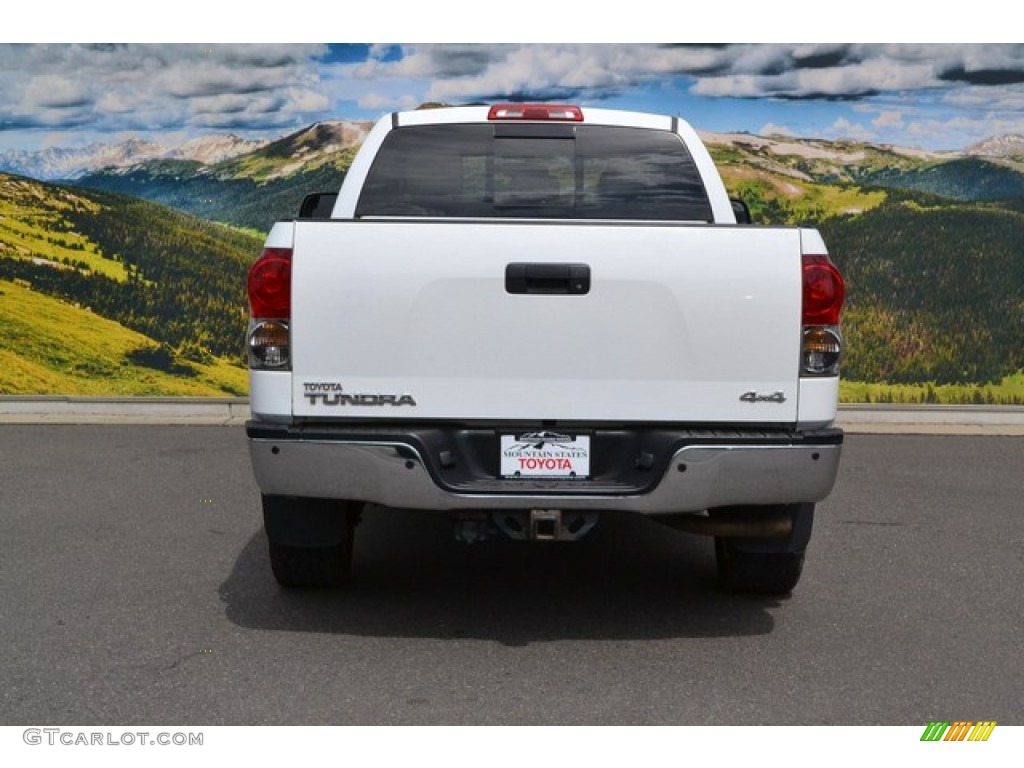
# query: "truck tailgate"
x,y
414,320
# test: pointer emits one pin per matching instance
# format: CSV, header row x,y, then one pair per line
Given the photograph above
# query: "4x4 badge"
x,y
757,397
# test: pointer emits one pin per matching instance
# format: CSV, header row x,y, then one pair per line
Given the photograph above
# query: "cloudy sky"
x,y
936,95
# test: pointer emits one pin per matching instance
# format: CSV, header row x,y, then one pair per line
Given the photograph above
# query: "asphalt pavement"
x,y
136,590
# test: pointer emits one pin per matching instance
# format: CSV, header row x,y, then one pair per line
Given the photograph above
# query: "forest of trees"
x,y
935,294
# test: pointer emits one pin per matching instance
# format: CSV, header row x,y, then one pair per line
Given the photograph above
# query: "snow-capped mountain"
x,y
62,163
214,148
328,137
998,146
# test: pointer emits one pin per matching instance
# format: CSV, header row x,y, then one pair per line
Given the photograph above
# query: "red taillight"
x,y
270,284
823,291
535,112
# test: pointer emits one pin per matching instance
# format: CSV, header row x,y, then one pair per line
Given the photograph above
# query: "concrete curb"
x,y
854,418
858,418
123,410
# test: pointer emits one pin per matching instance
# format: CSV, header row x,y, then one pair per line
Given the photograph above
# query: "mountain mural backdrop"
x,y
122,266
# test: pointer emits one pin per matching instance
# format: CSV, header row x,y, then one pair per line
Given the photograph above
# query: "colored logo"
x,y
961,730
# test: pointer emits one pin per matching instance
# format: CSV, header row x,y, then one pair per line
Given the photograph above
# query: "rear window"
x,y
531,170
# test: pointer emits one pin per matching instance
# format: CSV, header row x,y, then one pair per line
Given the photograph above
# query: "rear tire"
x,y
310,540
757,574
305,567
764,566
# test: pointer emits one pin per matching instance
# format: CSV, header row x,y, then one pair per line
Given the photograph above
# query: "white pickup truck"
x,y
528,314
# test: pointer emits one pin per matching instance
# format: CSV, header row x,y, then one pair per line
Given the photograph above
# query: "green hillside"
x,y
776,198
176,281
51,347
35,225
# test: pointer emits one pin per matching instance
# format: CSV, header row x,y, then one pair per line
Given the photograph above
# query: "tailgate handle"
x,y
551,279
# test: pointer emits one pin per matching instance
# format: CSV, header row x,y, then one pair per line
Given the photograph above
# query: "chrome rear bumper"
x,y
393,472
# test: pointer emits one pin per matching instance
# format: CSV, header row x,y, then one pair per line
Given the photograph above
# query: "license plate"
x,y
545,454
